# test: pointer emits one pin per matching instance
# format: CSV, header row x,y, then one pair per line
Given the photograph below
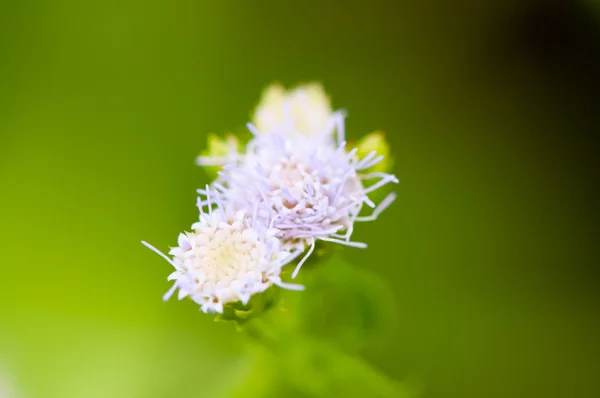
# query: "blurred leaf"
x,y
313,340
310,368
346,305
318,369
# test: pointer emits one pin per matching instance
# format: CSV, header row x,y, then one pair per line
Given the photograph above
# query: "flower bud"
x,y
376,142
219,152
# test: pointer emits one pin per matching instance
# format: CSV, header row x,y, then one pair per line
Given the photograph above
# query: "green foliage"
x,y
310,345
311,368
346,305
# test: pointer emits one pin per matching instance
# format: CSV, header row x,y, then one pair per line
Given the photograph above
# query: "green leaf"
x,y
349,306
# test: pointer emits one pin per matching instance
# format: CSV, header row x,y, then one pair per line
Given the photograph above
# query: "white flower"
x,y
226,258
306,191
304,111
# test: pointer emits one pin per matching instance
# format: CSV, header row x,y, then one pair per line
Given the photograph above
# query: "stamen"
x,y
220,187
169,294
220,204
253,129
373,163
301,263
382,182
292,257
371,176
340,127
254,216
155,250
200,205
351,154
288,286
358,245
379,209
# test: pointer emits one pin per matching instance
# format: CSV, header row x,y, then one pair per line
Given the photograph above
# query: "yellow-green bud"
x,y
376,142
305,110
219,152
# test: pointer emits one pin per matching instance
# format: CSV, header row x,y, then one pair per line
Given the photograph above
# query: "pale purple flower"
x,y
306,189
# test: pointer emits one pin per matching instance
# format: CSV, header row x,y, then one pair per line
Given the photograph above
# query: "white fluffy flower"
x,y
306,191
304,111
226,258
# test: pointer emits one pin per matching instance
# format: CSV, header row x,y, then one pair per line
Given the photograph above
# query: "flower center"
x,y
230,253
288,174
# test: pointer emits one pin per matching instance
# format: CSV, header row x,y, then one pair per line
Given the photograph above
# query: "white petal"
x,y
168,294
182,294
183,242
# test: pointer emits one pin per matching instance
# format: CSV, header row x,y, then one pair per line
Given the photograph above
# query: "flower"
x,y
305,111
297,176
305,191
226,258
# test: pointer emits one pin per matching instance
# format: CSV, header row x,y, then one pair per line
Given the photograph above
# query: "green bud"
x,y
218,147
376,142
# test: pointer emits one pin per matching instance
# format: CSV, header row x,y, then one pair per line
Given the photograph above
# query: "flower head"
x,y
226,258
307,192
295,184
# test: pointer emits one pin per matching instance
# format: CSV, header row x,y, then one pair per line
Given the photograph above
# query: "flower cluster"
x,y
295,184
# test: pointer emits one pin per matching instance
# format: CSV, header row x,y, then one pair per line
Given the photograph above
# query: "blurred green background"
x,y
491,250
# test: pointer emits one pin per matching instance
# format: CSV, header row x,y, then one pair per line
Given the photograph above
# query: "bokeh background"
x,y
491,108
